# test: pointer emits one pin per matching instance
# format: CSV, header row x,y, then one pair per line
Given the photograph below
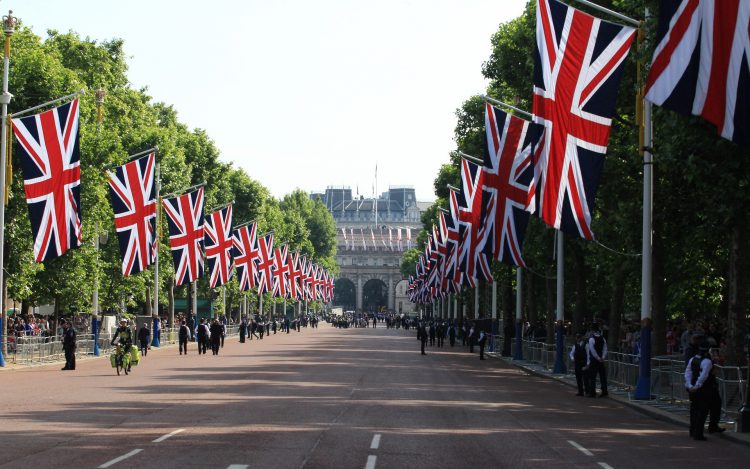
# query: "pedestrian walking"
x,y
422,335
452,334
216,331
441,331
143,334
433,333
597,353
69,345
481,341
471,338
183,336
202,334
580,357
243,330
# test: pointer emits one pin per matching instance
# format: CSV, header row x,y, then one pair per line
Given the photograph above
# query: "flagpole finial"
x,y
9,23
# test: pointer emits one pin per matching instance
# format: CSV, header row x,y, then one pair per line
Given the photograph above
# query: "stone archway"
x,y
374,296
346,294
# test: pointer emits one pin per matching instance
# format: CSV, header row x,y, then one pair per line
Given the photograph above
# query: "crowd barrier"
x,y
623,371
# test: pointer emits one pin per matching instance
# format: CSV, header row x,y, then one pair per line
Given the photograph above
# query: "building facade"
x,y
369,256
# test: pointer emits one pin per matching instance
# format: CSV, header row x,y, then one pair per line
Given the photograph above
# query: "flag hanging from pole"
x,y
295,290
577,72
408,238
281,272
343,231
700,64
219,245
400,246
186,230
245,252
265,263
133,193
48,148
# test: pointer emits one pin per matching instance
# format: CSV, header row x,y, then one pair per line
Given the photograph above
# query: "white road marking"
x,y
375,441
605,465
371,462
121,458
162,438
238,466
583,450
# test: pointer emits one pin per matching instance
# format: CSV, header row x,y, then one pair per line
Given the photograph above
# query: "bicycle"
x,y
120,360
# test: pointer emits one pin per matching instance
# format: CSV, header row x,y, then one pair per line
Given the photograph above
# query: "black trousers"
x,y
432,340
463,339
481,351
471,345
582,378
424,341
441,341
222,340
597,368
242,337
714,408
183,345
452,341
70,358
700,404
144,347
215,342
202,345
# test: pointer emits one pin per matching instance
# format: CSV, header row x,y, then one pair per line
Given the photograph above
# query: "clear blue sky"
x,y
303,93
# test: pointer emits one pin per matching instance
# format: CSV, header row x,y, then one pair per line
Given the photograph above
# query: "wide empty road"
x,y
327,398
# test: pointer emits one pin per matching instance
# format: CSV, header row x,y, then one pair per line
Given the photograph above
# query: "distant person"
x,y
580,356
452,334
422,334
202,336
69,345
216,331
481,341
183,336
597,351
143,334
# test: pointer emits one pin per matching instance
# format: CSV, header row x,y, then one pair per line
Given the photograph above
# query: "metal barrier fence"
x,y
623,371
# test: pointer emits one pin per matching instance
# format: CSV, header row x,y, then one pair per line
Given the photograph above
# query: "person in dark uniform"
x,y
464,331
699,379
268,327
580,357
253,329
202,336
422,334
481,341
287,323
243,330
183,335
69,345
441,334
471,337
433,333
143,335
597,353
217,329
261,328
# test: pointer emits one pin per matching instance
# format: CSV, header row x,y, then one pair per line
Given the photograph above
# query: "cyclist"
x,y
126,337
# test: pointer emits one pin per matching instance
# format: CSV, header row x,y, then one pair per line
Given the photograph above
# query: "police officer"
x,y
699,380
422,335
69,345
184,336
597,353
452,334
217,329
481,341
143,335
202,336
580,357
243,329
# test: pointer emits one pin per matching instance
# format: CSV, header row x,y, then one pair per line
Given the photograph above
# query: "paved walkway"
x,y
329,398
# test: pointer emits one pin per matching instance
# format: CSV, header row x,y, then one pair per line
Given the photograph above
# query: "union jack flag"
x,y
185,221
50,160
219,246
295,273
400,246
508,173
281,272
245,253
304,267
700,63
451,273
408,238
577,71
346,240
315,282
474,262
133,193
265,263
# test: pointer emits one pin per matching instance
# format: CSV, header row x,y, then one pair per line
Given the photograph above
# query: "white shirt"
x,y
585,348
706,366
592,350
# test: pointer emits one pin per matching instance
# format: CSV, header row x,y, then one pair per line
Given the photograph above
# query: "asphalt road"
x,y
328,398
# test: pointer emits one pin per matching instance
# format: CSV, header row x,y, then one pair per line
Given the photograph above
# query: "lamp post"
x,y
9,27
98,100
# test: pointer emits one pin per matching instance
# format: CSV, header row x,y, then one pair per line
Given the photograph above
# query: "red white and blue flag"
x,y
700,63
281,272
265,263
219,246
295,290
245,252
577,72
186,230
508,173
473,262
133,193
50,160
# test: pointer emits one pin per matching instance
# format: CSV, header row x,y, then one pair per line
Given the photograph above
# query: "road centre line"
x,y
583,450
121,458
371,462
375,441
162,438
605,465
238,466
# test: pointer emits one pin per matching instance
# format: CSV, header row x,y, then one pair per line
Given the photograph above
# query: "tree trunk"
x,y
739,255
551,288
229,306
658,299
170,296
579,313
148,301
532,313
615,313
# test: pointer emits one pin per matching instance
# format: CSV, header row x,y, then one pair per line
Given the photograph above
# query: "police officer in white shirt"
x,y
597,353
700,382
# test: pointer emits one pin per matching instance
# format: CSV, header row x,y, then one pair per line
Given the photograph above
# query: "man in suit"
x,y
143,334
69,345
217,329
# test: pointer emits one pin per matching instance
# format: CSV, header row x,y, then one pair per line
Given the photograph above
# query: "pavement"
x,y
329,398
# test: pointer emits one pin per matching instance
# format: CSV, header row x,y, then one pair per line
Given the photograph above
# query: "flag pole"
x,y
519,315
73,95
560,367
619,16
9,25
508,106
99,100
643,388
155,330
473,159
